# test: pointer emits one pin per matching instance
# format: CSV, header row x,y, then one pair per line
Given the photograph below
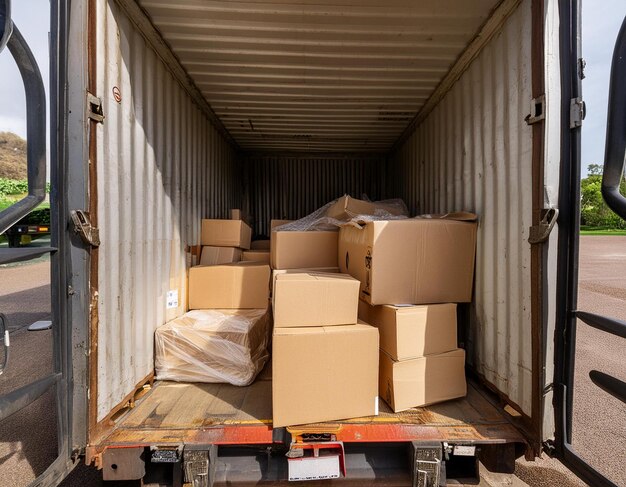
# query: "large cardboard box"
x,y
219,255
422,381
229,286
315,299
235,214
294,250
226,233
408,332
324,373
414,261
256,256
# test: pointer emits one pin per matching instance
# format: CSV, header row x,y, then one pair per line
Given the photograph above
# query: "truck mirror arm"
x,y
35,131
616,129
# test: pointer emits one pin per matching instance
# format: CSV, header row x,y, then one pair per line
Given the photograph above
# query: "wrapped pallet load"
x,y
212,345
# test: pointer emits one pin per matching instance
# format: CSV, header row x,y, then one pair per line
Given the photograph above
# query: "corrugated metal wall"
x,y
473,152
317,75
290,187
161,167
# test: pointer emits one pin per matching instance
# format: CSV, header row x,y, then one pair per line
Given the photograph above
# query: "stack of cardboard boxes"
x,y
225,335
226,241
406,268
324,361
366,311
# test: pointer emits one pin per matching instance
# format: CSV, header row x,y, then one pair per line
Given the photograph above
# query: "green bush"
x,y
594,212
13,186
39,216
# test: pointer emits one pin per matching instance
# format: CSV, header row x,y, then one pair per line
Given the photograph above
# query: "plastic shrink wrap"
x,y
229,346
328,218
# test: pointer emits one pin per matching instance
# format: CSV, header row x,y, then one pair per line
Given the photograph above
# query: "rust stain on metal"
x,y
93,215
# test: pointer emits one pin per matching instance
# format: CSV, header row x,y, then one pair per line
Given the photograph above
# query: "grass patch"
x,y
602,231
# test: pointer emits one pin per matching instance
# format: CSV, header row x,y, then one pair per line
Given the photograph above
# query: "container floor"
x,y
192,413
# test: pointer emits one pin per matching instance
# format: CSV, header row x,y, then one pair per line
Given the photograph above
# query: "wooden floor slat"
x,y
179,413
176,405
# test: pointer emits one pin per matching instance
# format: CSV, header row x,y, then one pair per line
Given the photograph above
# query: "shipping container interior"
x,y
278,107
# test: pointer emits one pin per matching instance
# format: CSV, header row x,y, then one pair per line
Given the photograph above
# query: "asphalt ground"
x,y
28,438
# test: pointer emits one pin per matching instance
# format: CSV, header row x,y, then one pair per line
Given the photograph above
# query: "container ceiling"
x,y
309,75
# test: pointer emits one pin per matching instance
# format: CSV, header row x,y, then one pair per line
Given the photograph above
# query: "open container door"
x,y
567,313
56,384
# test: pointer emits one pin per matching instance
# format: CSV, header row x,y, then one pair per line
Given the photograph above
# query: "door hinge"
x,y
549,447
83,228
94,110
539,233
577,112
537,110
582,64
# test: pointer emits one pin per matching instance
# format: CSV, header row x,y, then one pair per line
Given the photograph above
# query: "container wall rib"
x,y
291,187
473,152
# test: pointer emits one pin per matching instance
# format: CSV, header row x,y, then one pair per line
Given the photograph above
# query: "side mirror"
x,y
6,26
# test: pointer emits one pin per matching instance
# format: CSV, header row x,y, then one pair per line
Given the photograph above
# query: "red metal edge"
x,y
258,434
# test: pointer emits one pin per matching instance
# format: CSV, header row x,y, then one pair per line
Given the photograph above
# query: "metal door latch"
x,y
83,228
577,112
94,110
540,233
537,110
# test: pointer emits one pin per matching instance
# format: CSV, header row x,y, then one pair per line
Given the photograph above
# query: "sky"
x,y
32,18
601,22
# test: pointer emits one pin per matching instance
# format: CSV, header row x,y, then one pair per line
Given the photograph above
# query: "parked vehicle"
x,y
165,112
34,225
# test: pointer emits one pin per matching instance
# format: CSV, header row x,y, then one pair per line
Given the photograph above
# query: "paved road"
x,y
599,431
27,439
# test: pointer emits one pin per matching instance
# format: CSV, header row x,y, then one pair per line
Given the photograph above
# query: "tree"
x,y
594,212
595,169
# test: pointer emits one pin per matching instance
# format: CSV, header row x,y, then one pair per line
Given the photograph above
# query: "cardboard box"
x,y
226,233
315,299
293,250
414,261
422,381
256,256
324,373
219,255
211,345
235,214
278,223
229,286
260,245
408,332
347,207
